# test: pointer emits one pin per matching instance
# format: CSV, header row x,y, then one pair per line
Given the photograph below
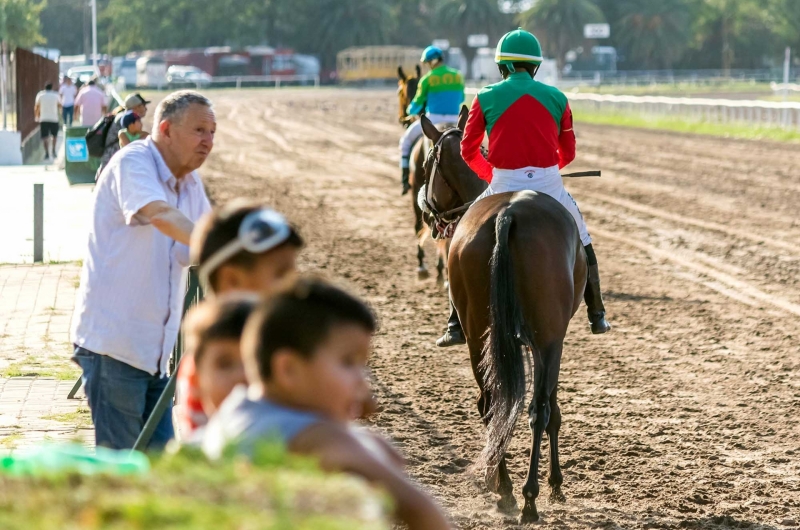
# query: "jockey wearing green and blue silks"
x,y
440,93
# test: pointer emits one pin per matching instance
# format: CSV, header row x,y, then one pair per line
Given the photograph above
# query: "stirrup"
x,y
451,337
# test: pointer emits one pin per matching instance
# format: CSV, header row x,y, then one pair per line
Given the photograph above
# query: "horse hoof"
x,y
529,514
423,274
440,281
507,504
556,496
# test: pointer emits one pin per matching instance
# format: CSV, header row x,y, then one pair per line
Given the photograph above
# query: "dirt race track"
x,y
684,416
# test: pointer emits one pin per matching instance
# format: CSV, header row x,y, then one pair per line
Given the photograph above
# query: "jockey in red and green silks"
x,y
529,125
440,93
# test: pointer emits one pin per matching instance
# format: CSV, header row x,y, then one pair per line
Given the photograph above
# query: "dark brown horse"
x,y
406,90
517,273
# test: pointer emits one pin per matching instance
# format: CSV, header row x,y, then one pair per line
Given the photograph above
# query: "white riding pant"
x,y
545,180
414,131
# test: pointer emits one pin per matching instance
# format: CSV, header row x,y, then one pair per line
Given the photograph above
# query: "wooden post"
x,y
38,223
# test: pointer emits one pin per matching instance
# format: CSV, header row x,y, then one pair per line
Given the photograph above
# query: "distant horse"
x,y
517,273
406,90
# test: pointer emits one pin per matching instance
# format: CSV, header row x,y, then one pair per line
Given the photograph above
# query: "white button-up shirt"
x,y
130,301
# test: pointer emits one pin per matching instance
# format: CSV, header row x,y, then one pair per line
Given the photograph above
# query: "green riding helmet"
x,y
518,46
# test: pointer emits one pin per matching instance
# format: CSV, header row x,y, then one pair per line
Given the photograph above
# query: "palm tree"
x,y
653,34
469,17
329,26
559,24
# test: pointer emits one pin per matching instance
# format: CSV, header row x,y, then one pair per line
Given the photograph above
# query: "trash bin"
x,y
79,166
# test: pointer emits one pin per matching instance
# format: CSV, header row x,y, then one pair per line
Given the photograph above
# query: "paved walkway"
x,y
36,373
36,303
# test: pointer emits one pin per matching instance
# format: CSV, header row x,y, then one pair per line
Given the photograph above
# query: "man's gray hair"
x,y
173,107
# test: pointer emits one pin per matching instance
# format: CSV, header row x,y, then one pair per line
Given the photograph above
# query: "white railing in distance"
x,y
785,114
275,79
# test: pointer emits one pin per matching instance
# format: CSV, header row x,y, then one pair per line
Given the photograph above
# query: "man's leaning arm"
x,y
168,220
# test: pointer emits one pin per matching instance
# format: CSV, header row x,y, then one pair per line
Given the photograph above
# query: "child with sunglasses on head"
x,y
305,353
241,247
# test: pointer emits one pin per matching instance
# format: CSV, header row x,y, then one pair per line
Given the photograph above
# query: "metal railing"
x,y
265,80
762,113
669,77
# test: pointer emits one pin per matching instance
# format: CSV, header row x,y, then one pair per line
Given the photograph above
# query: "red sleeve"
x,y
566,139
471,143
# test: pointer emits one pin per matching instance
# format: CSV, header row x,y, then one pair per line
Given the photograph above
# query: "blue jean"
x,y
68,113
121,399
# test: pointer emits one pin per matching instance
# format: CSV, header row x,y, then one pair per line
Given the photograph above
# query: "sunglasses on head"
x,y
259,232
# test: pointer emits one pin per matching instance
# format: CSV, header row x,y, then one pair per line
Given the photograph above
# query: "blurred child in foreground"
x,y
305,353
212,332
241,247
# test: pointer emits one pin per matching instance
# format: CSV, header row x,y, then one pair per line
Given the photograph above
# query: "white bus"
x,y
151,72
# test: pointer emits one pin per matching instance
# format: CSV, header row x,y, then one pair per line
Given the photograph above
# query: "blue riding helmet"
x,y
431,53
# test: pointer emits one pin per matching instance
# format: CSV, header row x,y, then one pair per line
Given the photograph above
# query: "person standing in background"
x,y
67,92
91,103
46,109
135,103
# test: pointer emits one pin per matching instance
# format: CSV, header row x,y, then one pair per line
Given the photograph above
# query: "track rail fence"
x,y
755,112
240,81
784,115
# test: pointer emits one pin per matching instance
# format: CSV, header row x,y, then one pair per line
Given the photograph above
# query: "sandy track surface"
x,y
685,415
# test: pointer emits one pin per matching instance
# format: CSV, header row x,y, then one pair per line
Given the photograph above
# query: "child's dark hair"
x,y
220,318
299,319
220,227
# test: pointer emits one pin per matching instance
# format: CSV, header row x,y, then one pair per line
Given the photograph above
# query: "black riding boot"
x,y
592,296
406,185
454,334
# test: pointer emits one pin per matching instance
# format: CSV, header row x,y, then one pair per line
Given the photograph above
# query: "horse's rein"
x,y
446,216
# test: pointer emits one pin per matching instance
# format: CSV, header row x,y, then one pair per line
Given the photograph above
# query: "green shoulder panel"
x,y
444,79
497,98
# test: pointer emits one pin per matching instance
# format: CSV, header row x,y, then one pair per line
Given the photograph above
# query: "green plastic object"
x,y
79,166
49,459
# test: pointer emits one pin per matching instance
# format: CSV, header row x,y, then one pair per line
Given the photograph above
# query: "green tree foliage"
x,y
324,27
462,18
655,34
19,23
735,33
648,34
559,23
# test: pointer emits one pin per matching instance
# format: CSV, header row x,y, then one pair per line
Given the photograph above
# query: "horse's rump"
x,y
523,247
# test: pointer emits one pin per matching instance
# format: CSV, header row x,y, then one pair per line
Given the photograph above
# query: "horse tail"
x,y
503,364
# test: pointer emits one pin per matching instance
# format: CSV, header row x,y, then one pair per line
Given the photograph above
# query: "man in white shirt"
x,y
130,301
91,103
46,109
68,91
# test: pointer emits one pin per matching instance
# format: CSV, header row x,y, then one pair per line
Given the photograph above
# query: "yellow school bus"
x,y
375,62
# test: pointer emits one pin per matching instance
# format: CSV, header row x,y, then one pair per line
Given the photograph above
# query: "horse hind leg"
x,y
539,416
443,250
422,271
553,426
